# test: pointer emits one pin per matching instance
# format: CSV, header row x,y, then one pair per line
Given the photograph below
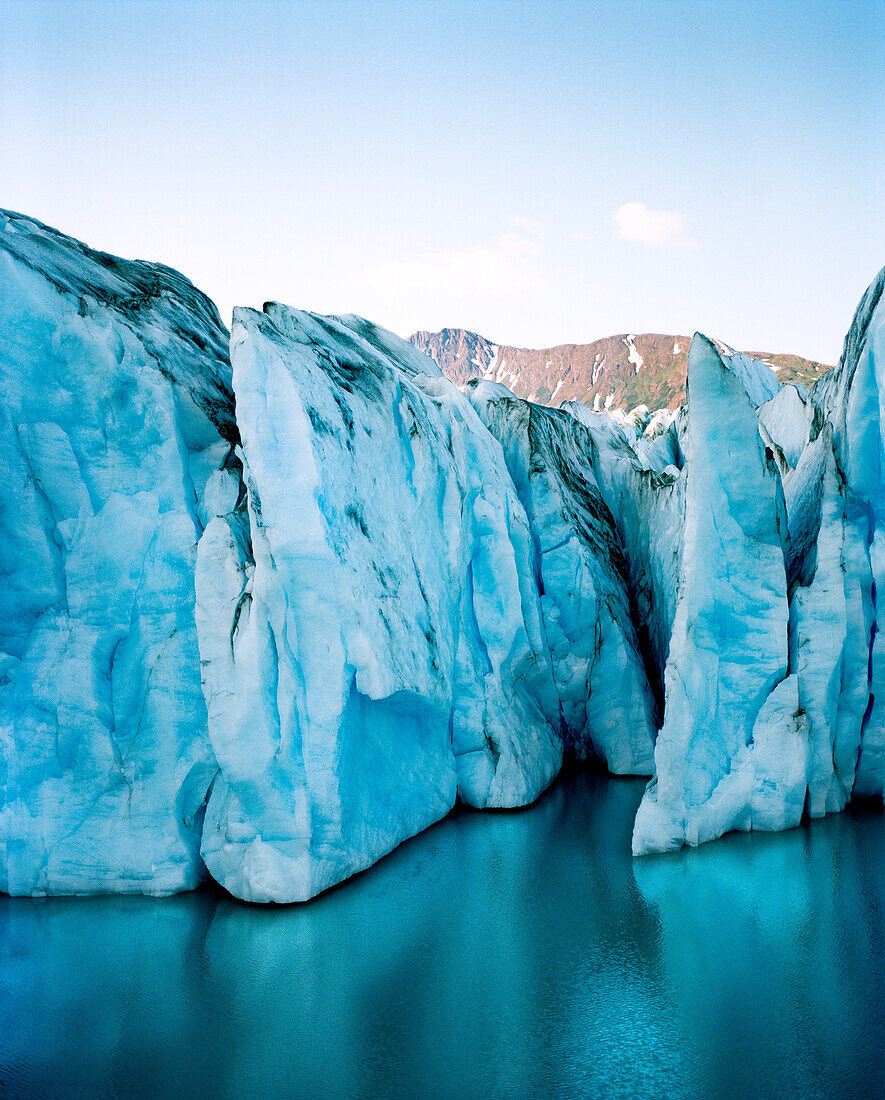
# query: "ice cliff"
x,y
116,405
771,676
730,753
375,646
273,601
608,708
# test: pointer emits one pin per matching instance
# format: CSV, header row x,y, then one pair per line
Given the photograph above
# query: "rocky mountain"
x,y
618,372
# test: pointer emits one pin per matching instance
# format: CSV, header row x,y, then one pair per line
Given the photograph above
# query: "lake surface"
x,y
496,955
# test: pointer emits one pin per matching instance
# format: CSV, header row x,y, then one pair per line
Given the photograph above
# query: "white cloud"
x,y
659,228
528,225
500,269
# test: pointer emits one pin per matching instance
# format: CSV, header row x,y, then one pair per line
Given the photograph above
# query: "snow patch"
x,y
633,357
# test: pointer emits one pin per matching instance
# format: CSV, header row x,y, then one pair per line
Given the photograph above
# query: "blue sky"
x,y
538,172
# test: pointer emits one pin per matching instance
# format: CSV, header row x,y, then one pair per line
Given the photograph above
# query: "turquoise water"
x,y
497,955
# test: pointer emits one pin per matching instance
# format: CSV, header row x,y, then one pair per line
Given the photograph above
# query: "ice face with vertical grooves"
x,y
817,737
608,707
852,399
829,612
116,404
732,752
648,508
375,648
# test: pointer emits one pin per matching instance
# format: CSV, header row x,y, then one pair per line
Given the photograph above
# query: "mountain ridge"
x,y
620,371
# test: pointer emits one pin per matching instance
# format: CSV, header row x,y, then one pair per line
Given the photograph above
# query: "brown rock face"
x,y
618,371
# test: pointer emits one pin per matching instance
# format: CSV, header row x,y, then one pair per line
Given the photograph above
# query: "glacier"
x,y
275,599
608,707
771,675
375,648
730,752
116,406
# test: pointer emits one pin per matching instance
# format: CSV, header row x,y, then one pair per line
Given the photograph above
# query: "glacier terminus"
x,y
275,599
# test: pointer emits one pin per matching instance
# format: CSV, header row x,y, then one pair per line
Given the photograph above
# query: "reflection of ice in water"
x,y
773,952
494,955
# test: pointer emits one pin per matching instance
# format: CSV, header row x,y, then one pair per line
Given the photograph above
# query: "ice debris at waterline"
x,y
272,603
